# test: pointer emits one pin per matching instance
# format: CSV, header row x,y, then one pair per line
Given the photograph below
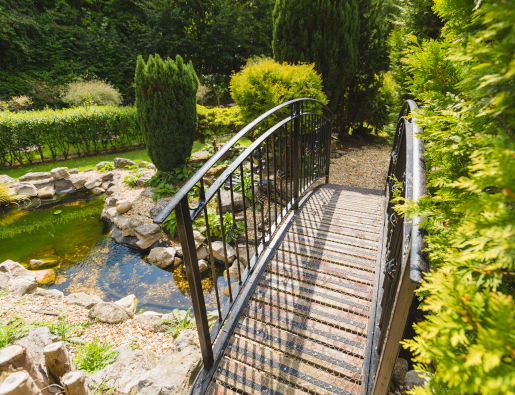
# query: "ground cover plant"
x,y
94,356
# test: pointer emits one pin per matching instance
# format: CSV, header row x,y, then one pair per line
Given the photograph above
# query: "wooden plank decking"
x,y
305,327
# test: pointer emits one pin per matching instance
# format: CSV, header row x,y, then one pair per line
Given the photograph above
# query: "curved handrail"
x,y
197,177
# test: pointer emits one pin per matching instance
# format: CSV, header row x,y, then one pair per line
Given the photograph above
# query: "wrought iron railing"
x,y
266,180
404,262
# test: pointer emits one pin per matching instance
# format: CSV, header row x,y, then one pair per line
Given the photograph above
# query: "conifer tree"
x,y
167,109
324,32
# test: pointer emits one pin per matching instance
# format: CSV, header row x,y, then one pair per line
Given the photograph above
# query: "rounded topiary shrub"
x,y
94,92
167,109
264,84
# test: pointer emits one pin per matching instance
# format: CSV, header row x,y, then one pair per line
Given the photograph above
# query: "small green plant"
x,y
94,356
109,166
132,179
215,226
247,180
103,388
63,329
170,224
164,182
12,330
180,323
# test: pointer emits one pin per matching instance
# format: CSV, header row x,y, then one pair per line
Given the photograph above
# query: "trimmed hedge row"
x,y
27,135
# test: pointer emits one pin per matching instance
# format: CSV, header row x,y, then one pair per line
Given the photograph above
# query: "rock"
x,y
128,230
105,185
5,179
34,342
88,170
142,181
158,207
13,268
59,173
73,171
151,313
202,265
21,280
46,192
202,253
175,371
199,238
242,251
147,235
151,322
199,156
79,181
225,197
227,291
399,371
233,270
49,293
35,263
107,176
178,250
122,206
26,188
35,176
93,183
22,286
64,186
151,166
45,276
177,261
109,313
214,173
112,200
218,251
4,279
129,364
44,183
83,299
147,193
113,190
415,378
143,164
129,303
120,163
100,164
162,257
98,190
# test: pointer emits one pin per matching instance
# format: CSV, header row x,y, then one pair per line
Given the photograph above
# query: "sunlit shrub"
x,y
90,93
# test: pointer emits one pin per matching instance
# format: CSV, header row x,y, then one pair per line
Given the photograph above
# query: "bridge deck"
x,y
305,327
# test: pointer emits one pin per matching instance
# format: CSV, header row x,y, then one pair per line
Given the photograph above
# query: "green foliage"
x,y
217,121
87,130
167,109
63,329
12,330
6,198
465,84
261,86
179,323
94,356
109,166
325,33
165,183
135,173
170,224
215,225
94,92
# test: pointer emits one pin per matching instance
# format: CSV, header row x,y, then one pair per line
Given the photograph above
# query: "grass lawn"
x,y
90,161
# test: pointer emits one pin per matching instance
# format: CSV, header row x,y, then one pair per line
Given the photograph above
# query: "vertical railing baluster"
x,y
225,246
295,155
268,186
275,177
261,170
328,151
234,229
245,214
185,230
252,188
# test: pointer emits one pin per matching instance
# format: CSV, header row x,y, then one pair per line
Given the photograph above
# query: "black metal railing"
x,y
265,181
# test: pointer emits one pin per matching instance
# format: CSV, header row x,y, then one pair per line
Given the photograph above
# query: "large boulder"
x,y
129,364
162,257
93,183
147,234
59,173
35,176
21,280
64,185
26,188
151,322
49,182
225,200
83,299
122,162
46,192
122,206
132,223
34,342
218,251
175,371
5,179
49,293
109,313
107,176
4,280
129,303
79,181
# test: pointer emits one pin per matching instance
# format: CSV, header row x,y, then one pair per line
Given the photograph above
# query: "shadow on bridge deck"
x,y
304,326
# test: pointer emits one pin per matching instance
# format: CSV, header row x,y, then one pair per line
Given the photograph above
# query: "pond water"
x,y
69,234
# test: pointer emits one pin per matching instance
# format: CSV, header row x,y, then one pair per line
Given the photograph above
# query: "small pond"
x,y
68,232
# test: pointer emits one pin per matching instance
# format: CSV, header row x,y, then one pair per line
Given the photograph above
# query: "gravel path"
x,y
365,168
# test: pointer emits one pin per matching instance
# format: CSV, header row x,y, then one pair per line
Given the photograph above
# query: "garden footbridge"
x,y
329,273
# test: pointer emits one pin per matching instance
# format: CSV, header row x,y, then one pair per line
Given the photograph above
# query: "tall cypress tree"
x,y
167,109
324,32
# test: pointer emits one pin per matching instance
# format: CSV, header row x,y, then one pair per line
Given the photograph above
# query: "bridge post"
x,y
295,154
185,230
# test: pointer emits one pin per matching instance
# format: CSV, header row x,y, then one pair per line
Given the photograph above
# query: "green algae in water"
x,y
69,233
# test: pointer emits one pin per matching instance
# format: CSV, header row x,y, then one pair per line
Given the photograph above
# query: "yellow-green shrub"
x,y
217,121
91,92
263,85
